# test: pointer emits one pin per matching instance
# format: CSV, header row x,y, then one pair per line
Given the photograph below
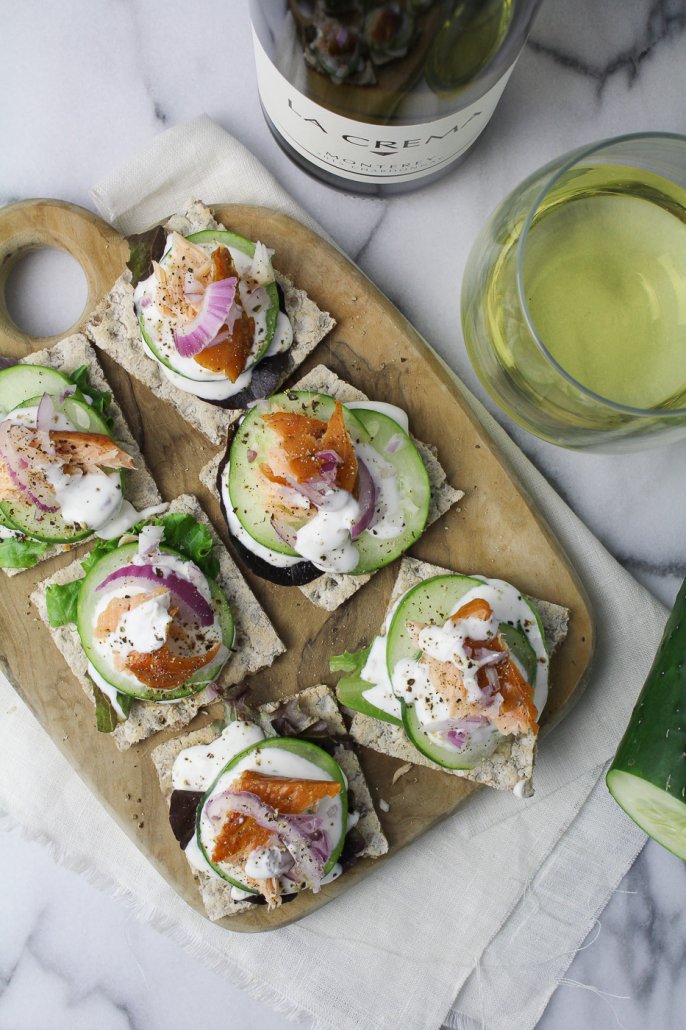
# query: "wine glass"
x,y
574,296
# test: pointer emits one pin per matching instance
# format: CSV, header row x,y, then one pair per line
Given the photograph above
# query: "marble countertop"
x,y
104,77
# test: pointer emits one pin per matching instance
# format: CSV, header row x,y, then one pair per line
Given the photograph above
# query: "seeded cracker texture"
x,y
514,759
114,327
305,708
255,647
331,589
140,488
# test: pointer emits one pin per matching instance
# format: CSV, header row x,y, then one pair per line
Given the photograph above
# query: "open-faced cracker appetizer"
x,y
155,624
321,486
205,321
273,804
70,469
458,676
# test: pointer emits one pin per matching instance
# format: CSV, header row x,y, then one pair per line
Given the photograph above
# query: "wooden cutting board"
x,y
497,531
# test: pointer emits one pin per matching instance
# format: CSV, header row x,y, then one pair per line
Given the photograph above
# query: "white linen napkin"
x,y
487,908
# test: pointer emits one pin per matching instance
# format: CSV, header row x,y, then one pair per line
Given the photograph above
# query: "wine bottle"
x,y
382,98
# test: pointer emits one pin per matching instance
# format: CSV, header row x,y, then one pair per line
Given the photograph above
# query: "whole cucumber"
x,y
648,774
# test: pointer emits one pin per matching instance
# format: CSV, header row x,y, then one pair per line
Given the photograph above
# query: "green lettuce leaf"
x,y
104,547
192,539
62,601
100,399
351,688
349,661
105,716
20,552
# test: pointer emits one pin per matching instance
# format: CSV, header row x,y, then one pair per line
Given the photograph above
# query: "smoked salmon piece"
x,y
222,265
477,608
230,355
240,834
303,438
75,451
231,351
517,712
187,262
89,450
336,438
164,670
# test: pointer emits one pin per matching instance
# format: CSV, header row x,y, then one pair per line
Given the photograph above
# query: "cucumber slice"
x,y
44,526
413,485
85,624
301,748
647,777
20,382
447,758
521,649
368,429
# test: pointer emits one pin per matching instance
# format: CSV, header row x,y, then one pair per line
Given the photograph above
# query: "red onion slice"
x,y
315,490
395,443
44,416
328,465
194,607
214,309
457,738
485,657
493,682
284,531
366,500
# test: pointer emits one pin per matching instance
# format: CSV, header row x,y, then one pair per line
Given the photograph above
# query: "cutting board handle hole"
x,y
45,291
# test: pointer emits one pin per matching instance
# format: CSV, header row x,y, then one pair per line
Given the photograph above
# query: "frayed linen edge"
x,y
457,1020
147,913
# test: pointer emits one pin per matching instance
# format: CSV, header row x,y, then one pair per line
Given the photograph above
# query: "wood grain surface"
x,y
497,531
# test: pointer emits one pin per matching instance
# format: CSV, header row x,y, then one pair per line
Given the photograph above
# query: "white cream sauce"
x,y
89,499
325,539
126,517
376,671
263,863
197,767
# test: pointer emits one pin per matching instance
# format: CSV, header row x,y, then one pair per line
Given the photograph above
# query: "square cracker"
x,y
331,589
513,762
66,356
114,327
303,709
256,643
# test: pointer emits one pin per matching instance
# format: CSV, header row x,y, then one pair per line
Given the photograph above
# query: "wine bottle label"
x,y
360,150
